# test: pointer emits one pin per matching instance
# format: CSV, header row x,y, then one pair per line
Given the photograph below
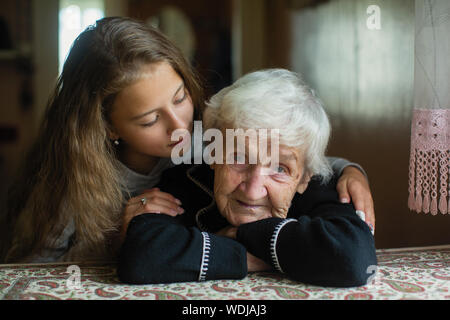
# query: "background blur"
x,y
363,75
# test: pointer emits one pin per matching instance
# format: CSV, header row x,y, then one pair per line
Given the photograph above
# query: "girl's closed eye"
x,y
180,100
149,124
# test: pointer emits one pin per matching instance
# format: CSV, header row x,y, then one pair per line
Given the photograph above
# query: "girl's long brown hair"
x,y
71,171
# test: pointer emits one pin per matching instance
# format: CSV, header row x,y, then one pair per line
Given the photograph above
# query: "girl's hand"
x,y
150,201
353,186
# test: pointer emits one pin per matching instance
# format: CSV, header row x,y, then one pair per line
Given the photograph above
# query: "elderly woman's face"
x,y
249,192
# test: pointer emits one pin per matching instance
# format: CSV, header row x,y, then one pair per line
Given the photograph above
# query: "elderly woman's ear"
x,y
303,184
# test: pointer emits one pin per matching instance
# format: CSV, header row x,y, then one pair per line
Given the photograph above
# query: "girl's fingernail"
x,y
180,210
344,200
372,229
361,214
177,201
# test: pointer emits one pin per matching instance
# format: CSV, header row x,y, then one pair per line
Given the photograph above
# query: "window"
x,y
74,17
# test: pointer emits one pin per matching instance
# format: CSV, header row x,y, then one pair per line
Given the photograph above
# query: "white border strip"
x,y
205,257
273,243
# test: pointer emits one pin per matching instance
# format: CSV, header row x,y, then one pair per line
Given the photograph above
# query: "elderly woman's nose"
x,y
254,184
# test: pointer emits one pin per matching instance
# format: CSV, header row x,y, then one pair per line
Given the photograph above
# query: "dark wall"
x,y
211,21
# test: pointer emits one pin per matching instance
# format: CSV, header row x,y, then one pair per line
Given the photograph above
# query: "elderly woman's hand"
x,y
256,264
253,263
229,232
353,186
150,201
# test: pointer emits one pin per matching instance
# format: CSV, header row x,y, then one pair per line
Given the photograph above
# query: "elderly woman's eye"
x,y
282,169
239,158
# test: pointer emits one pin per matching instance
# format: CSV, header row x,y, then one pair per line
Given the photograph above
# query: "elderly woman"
x,y
245,216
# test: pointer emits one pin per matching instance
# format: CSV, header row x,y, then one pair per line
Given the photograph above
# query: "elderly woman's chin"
x,y
238,212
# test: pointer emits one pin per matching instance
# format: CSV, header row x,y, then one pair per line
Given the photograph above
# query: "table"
x,y
408,273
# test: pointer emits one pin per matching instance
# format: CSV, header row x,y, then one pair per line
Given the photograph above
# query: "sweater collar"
x,y
208,218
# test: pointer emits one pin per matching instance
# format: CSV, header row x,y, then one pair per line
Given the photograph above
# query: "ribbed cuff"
x,y
205,257
257,237
273,244
222,258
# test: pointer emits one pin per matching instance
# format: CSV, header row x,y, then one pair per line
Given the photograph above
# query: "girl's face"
x,y
145,114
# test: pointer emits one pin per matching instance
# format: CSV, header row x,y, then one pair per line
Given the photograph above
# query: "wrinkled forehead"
x,y
261,142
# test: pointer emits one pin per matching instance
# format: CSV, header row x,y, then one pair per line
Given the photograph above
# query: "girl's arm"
x,y
353,186
340,164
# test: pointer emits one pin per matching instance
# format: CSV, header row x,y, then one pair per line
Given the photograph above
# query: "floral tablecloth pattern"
x,y
421,273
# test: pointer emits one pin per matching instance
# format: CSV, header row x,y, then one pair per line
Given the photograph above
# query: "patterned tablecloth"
x,y
420,273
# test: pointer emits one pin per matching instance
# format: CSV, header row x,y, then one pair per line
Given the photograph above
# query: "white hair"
x,y
275,99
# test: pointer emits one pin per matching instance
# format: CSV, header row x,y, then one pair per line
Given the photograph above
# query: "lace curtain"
x,y
430,129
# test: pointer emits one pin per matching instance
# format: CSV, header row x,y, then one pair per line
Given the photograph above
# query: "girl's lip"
x,y
175,143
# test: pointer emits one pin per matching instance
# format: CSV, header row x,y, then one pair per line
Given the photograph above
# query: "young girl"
x,y
104,141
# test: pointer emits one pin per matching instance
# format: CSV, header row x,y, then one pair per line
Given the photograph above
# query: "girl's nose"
x,y
174,122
